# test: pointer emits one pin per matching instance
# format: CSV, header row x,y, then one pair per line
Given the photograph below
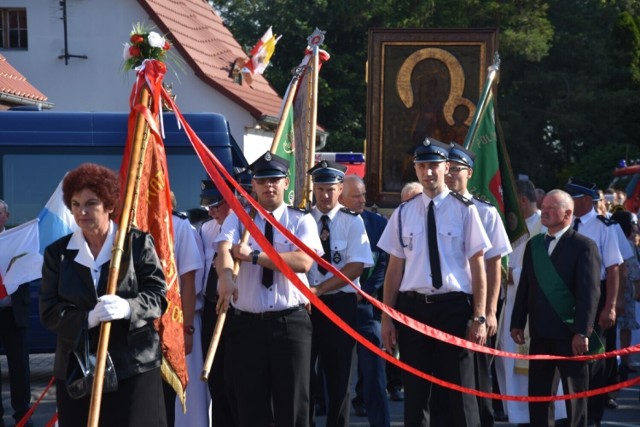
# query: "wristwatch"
x,y
189,329
480,319
254,259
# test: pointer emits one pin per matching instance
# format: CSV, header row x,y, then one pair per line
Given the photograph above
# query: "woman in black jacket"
x,y
72,300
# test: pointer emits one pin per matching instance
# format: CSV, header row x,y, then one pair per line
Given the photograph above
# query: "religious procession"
x,y
426,286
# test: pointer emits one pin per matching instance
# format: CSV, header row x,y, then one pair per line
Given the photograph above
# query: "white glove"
x,y
93,318
112,307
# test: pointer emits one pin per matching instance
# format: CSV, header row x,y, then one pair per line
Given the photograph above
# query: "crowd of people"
x,y
439,259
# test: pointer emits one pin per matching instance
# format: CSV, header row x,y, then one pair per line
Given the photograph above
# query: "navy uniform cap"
x,y
243,177
431,150
327,172
210,196
459,154
270,166
579,188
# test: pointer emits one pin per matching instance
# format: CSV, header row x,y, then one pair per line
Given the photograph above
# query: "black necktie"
x,y
211,291
434,255
325,239
576,224
267,273
547,241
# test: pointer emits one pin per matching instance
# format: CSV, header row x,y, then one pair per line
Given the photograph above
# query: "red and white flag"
x,y
259,56
20,261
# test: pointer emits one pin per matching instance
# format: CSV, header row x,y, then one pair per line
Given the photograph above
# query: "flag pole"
x,y
482,103
315,40
217,331
141,136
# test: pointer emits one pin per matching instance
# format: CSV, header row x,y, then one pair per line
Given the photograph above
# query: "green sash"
x,y
556,291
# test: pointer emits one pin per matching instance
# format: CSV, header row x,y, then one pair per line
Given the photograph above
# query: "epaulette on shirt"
x,y
461,198
410,199
295,208
606,221
180,214
485,201
349,211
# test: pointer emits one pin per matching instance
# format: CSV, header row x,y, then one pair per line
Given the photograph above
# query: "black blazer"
x,y
67,295
577,261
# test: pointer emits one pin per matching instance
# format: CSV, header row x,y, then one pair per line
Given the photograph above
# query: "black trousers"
x,y
450,363
544,376
139,401
270,368
371,387
219,381
14,341
334,351
599,370
482,366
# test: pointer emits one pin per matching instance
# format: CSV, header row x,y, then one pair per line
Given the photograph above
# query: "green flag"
x,y
285,150
492,178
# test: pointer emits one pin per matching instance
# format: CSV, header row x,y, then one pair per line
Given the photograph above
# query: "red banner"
x,y
153,214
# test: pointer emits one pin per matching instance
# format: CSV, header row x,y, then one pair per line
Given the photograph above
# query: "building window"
x,y
13,29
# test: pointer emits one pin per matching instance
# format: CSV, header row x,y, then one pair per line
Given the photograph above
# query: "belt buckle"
x,y
426,299
265,315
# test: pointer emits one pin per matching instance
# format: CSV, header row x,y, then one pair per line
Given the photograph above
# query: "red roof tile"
x,y
14,83
209,48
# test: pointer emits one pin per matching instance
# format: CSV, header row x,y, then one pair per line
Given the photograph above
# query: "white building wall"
x,y
98,29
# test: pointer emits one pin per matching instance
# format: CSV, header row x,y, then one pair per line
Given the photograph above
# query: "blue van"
x,y
37,148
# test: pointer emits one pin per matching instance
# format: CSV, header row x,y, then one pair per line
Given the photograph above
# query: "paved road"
x,y
628,413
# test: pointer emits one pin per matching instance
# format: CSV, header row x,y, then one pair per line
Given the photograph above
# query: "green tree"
x,y
570,74
342,100
557,111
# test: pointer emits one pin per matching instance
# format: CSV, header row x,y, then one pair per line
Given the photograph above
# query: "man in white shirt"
x,y
269,336
346,247
603,232
461,163
436,245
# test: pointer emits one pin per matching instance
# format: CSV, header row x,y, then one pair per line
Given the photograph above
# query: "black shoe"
x,y
396,395
611,403
592,423
358,408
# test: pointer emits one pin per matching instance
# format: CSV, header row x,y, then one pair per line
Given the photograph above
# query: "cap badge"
x,y
426,142
324,164
267,156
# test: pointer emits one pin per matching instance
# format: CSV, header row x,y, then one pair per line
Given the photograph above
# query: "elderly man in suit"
x,y
558,291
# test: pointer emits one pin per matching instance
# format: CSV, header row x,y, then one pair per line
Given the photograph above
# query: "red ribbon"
x,y
221,177
31,410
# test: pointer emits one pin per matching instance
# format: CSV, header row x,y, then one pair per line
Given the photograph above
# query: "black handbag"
x,y
81,370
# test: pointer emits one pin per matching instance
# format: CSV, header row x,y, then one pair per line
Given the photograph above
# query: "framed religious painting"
x,y
421,83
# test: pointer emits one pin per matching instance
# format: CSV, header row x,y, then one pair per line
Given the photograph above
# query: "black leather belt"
x,y
269,315
435,298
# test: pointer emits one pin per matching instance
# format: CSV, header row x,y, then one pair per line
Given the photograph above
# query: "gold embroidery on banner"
x,y
456,75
